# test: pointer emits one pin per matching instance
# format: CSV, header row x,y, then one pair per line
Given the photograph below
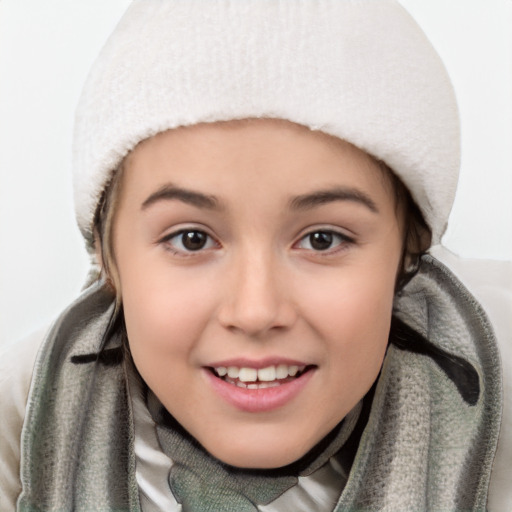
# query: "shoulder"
x,y
490,282
16,366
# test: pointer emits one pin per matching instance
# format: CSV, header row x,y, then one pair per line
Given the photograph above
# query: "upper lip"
x,y
242,362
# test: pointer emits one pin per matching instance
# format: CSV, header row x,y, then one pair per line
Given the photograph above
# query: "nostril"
x,y
256,319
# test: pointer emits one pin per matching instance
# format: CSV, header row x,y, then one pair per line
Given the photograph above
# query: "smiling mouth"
x,y
261,378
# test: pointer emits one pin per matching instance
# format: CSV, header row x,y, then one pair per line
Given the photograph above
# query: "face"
x,y
257,262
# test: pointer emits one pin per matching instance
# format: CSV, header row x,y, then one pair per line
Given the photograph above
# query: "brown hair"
x,y
104,232
417,236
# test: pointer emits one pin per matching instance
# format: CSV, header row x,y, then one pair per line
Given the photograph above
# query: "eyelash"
x,y
343,241
184,251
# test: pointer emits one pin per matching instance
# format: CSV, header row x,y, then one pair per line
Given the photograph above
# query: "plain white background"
x,y
46,49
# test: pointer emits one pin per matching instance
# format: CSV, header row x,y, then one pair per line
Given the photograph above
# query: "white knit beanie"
x,y
361,70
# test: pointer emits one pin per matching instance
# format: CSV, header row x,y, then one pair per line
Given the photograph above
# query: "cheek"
x,y
360,327
358,298
165,312
352,311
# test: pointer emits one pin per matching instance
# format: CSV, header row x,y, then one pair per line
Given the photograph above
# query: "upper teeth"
x,y
268,374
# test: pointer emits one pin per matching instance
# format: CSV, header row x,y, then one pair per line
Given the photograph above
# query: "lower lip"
x,y
258,400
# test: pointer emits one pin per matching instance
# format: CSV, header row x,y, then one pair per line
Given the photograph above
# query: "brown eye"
x,y
194,240
189,240
321,240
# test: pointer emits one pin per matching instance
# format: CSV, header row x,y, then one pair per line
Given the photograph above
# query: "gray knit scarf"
x,y
428,445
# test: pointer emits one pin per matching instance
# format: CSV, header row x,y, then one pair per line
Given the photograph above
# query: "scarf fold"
x,y
428,445
202,483
78,433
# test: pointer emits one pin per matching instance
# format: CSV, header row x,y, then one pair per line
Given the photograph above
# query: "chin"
x,y
259,460
257,454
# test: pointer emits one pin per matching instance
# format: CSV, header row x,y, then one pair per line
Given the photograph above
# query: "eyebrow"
x,y
321,197
170,192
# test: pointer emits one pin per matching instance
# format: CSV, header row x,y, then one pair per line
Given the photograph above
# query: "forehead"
x,y
251,149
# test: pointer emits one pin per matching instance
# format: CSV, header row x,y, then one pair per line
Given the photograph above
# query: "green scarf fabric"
x,y
78,434
428,444
202,483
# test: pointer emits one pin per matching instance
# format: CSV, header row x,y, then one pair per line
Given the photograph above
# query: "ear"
x,y
419,239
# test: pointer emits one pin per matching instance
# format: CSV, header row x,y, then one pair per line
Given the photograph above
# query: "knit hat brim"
x,y
360,70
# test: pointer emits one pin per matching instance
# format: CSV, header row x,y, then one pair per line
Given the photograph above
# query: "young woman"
x,y
258,183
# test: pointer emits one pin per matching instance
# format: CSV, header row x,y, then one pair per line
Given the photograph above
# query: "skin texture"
x,y
259,289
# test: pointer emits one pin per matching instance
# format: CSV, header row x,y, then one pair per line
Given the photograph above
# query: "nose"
x,y
257,299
